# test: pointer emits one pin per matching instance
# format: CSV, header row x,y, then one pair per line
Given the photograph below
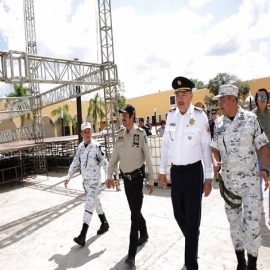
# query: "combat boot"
x,y
242,264
252,262
143,237
104,227
80,240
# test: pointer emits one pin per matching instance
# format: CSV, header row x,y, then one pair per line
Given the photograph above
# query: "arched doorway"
x,y
48,126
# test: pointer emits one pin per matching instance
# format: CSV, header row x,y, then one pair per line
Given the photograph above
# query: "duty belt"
x,y
135,174
224,190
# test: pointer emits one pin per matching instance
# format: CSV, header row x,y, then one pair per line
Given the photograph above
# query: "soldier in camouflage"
x,y
89,158
237,134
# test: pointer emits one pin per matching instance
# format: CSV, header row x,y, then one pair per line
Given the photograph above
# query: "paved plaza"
x,y
39,221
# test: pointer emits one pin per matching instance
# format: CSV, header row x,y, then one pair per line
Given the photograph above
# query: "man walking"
x,y
131,149
187,141
236,135
89,158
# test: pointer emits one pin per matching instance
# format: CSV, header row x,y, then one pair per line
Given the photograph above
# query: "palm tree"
x,y
66,120
95,109
20,91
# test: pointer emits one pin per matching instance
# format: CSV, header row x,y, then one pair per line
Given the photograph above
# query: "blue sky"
x,y
154,40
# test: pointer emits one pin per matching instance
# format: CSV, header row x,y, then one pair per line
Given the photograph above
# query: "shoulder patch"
x,y
140,129
172,109
121,129
198,109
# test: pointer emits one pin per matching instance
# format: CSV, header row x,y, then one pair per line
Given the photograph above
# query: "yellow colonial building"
x,y
148,106
161,102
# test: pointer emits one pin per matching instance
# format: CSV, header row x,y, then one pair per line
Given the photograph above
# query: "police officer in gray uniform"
x,y
89,158
131,149
236,135
187,141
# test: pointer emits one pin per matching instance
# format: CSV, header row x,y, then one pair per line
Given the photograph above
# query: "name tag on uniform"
x,y
170,127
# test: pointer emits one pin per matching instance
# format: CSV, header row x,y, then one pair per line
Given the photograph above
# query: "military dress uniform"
x,y
187,141
89,159
236,141
131,149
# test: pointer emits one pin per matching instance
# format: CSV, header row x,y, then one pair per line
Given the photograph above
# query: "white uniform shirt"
x,y
186,140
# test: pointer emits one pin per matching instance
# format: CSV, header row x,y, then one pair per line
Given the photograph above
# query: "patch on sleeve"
x,y
120,139
145,139
207,128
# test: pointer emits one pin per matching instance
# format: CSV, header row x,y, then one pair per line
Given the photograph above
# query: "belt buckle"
x,y
129,177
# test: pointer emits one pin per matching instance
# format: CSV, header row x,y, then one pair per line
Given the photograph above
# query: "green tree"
x,y
20,91
66,120
209,102
96,109
198,84
225,78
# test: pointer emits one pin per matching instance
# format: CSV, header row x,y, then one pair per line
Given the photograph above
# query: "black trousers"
x,y
186,194
133,190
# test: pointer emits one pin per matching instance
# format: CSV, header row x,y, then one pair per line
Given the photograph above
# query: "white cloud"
x,y
198,3
151,50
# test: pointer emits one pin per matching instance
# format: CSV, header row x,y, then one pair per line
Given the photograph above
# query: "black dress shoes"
x,y
142,239
130,260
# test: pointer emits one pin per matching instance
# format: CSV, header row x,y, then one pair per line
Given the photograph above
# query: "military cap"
x,y
85,125
128,109
182,84
226,90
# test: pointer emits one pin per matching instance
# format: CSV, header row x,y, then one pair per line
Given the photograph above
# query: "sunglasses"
x,y
213,113
262,97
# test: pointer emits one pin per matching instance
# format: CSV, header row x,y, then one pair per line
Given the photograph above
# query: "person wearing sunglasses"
x,y
263,114
212,121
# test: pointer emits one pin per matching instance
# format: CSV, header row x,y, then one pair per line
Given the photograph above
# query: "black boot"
x,y
242,264
143,238
252,262
104,227
80,240
130,260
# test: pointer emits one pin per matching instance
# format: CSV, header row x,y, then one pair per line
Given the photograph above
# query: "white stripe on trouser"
x,y
244,225
92,200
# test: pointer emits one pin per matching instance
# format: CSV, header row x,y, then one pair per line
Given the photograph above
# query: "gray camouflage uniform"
x,y
89,159
236,141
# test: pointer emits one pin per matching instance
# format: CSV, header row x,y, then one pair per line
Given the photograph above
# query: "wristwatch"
x,y
266,172
209,180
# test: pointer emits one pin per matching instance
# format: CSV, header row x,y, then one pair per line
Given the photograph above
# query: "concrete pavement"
x,y
39,221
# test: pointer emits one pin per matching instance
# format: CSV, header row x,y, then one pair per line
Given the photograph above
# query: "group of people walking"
x,y
240,141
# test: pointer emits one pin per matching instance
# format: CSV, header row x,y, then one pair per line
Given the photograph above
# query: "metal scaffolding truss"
x,y
28,67
69,73
107,58
16,68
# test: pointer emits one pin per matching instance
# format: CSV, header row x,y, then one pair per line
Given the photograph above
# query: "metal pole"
x,y
79,111
62,118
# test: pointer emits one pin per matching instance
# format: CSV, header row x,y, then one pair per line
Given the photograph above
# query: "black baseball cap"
x,y
128,109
